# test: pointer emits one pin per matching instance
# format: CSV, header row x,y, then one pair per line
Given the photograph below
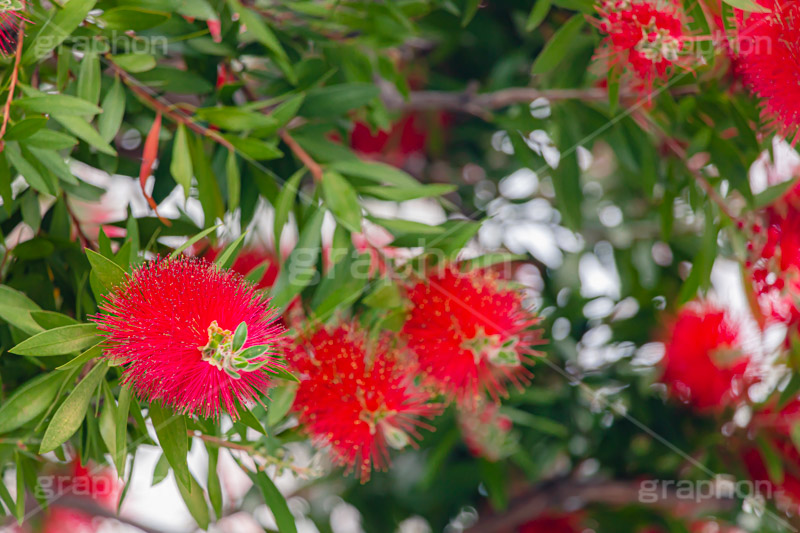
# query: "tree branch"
x,y
479,104
167,110
302,155
552,494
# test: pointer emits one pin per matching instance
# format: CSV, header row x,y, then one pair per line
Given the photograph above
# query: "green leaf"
x,y
281,400
172,435
52,140
254,149
51,319
161,471
123,408
135,63
299,270
81,129
378,172
338,99
236,119
68,417
194,498
558,45
108,420
537,15
226,258
133,18
772,460
470,9
275,501
113,111
89,79
175,253
407,193
54,31
341,198
234,180
258,29
771,194
82,359
26,169
181,164
213,484
59,341
15,309
284,204
29,401
247,418
107,271
199,9
25,128
54,162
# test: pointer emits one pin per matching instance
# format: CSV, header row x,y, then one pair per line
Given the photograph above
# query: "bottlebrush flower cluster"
x,y
768,59
471,333
191,336
358,397
645,37
703,363
467,334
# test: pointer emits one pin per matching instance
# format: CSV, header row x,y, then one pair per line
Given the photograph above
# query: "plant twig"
x,y
268,460
13,85
552,494
302,155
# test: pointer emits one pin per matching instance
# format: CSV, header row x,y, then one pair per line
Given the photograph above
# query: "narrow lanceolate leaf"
x,y
281,401
171,430
113,111
341,198
234,181
82,359
181,164
30,401
89,78
149,156
276,502
300,268
63,104
51,319
83,130
225,259
15,309
56,29
107,271
214,486
59,341
67,419
193,240
194,498
557,47
122,428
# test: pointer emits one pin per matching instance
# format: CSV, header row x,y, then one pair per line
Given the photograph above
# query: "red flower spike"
x,y
703,364
11,18
196,338
644,37
768,60
357,398
470,332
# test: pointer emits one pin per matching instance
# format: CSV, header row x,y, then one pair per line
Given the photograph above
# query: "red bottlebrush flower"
x,y
357,398
486,431
703,364
470,331
768,59
195,338
645,37
553,523
97,484
11,19
785,492
775,259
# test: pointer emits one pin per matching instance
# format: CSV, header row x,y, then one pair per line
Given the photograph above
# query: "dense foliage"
x,y
488,231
